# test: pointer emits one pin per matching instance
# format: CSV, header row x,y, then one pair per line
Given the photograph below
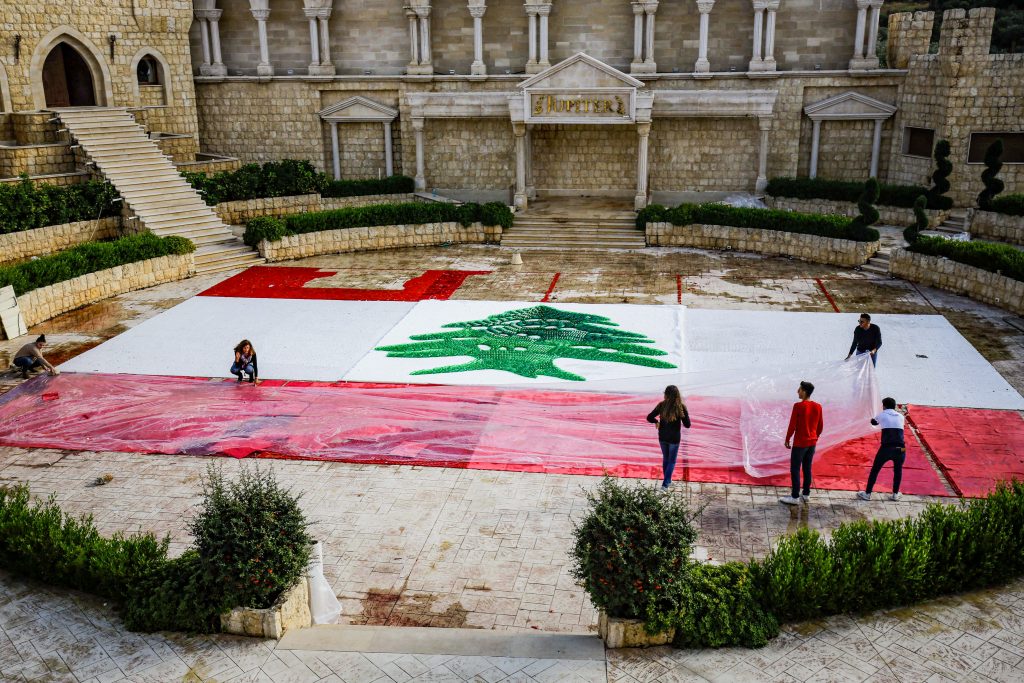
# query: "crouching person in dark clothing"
x,y
245,362
893,448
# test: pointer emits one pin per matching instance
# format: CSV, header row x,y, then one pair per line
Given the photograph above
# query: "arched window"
x,y
148,71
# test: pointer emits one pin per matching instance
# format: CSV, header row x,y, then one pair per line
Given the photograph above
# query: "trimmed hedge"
x,y
990,256
1011,204
408,213
838,227
25,206
849,191
286,178
89,258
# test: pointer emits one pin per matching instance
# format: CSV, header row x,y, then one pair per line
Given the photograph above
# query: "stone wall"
x,y
46,302
35,160
242,211
59,179
290,612
471,154
18,246
585,158
889,215
209,164
378,237
998,226
772,242
725,151
959,278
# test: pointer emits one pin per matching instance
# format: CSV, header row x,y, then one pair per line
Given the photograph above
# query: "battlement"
x,y
964,35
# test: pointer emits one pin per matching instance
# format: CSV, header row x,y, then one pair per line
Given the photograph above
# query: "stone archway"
x,y
67,81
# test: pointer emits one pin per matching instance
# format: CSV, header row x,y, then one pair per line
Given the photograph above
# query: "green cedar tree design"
x,y
528,341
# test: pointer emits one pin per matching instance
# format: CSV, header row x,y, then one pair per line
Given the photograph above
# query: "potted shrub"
x,y
631,555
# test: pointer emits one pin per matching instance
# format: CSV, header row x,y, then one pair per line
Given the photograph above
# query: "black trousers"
x,y
800,459
886,453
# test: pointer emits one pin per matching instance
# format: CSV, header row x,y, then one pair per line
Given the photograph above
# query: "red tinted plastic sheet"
x,y
975,448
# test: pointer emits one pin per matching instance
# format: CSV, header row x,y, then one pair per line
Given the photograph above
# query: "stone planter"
x,y
619,633
242,211
998,226
960,278
291,611
18,246
891,215
376,237
772,242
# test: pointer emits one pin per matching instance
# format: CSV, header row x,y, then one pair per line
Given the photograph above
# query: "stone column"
x,y
638,37
426,52
858,39
643,130
864,56
314,39
872,29
769,36
264,68
204,35
414,37
650,8
209,31
703,66
389,162
326,67
815,141
756,62
421,179
531,63
520,201
764,124
335,150
876,146
477,11
531,191
542,12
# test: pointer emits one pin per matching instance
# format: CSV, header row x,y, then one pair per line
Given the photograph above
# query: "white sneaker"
x,y
664,489
863,495
896,496
805,498
789,500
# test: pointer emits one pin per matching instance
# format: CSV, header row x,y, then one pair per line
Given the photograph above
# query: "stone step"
x,y
573,231
875,268
513,240
208,233
191,217
158,200
174,226
131,183
127,156
148,167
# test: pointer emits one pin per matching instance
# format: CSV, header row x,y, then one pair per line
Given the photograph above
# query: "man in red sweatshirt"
x,y
805,426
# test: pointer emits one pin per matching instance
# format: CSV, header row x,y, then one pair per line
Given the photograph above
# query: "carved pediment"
x,y
358,109
581,71
849,106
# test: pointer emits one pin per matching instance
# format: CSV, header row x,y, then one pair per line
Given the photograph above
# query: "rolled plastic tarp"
x,y
323,603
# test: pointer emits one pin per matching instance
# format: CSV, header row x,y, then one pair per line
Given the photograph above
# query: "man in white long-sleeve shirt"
x,y
893,448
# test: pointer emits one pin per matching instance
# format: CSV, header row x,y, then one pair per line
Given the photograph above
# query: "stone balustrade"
x,y
46,302
1003,227
813,248
377,237
24,244
891,215
242,211
960,278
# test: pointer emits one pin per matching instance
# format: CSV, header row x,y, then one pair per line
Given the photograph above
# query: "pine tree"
x,y
993,185
528,341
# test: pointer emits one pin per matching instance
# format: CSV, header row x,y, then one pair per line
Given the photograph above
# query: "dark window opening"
x,y
918,142
147,71
1013,147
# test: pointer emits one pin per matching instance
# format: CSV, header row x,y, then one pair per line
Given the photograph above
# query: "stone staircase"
x,y
157,196
955,224
560,232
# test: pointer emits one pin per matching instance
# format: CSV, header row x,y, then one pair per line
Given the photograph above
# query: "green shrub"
x,y
862,223
264,228
763,219
722,610
176,595
940,178
252,181
631,552
1012,204
251,537
848,191
25,206
408,213
990,256
911,233
39,541
396,184
993,185
89,258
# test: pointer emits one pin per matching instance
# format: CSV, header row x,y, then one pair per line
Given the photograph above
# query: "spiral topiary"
x,y
920,220
940,178
993,185
868,213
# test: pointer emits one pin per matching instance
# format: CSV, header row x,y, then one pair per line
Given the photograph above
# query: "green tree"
x,y
940,178
866,205
920,220
528,341
993,185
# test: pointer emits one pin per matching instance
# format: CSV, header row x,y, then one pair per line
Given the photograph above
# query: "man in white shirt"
x,y
893,448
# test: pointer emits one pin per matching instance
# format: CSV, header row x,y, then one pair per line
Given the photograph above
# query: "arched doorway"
x,y
67,80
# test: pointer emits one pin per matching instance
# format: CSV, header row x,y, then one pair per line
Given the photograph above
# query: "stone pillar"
x,y
520,201
876,146
858,39
531,63
531,191
650,9
335,150
426,52
643,37
764,124
872,29
815,142
209,31
414,38
264,68
421,179
769,37
703,66
638,37
326,67
477,11
756,62
867,27
389,157
542,12
643,130
314,40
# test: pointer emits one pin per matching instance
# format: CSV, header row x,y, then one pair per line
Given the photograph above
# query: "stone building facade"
x,y
716,95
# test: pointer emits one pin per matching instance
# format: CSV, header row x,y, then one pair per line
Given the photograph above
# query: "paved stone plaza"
x,y
413,546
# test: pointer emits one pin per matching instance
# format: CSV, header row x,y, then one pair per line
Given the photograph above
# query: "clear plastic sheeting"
x,y
738,422
743,200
